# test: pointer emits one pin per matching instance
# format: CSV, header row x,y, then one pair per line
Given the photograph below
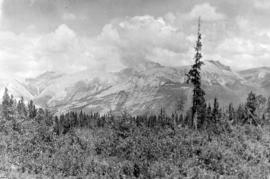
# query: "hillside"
x,y
259,77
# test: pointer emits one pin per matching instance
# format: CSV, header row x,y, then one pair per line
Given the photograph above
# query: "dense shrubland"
x,y
230,142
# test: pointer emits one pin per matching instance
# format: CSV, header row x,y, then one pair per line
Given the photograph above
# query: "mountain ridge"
x,y
138,90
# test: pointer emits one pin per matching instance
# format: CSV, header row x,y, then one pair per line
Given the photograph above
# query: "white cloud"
x,y
206,12
242,53
123,43
61,50
137,39
236,46
16,54
60,40
127,42
24,55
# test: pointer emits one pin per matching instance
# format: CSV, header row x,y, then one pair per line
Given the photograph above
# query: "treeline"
x,y
254,111
14,113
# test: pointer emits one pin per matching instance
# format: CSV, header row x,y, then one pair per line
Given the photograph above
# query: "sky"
x,y
68,36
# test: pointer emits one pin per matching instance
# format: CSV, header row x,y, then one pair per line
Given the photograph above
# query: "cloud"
x,y
138,39
127,42
61,50
16,54
62,39
206,12
26,55
233,38
241,53
124,42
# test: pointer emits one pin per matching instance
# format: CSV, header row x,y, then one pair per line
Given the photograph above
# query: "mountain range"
x,y
138,90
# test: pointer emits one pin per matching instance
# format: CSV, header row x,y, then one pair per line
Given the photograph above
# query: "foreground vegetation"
x,y
230,143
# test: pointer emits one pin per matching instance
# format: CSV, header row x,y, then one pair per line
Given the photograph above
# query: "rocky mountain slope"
x,y
259,78
137,90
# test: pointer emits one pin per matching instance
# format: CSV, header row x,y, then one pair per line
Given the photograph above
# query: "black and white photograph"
x,y
126,89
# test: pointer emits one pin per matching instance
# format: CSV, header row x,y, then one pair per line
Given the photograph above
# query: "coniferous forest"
x,y
207,141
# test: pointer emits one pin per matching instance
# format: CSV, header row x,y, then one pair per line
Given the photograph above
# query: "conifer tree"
x,y
250,108
21,108
32,112
48,118
181,119
216,111
7,106
81,122
40,115
208,116
180,104
8,112
194,76
231,112
261,105
264,121
56,125
240,114
251,103
268,110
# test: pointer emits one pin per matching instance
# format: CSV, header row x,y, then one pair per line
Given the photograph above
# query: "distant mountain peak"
x,y
146,66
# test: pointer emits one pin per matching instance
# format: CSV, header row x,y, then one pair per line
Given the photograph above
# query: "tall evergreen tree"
x,y
231,112
261,105
194,76
21,108
8,112
250,108
32,111
208,116
216,111
40,116
7,106
251,102
267,116
240,114
264,121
